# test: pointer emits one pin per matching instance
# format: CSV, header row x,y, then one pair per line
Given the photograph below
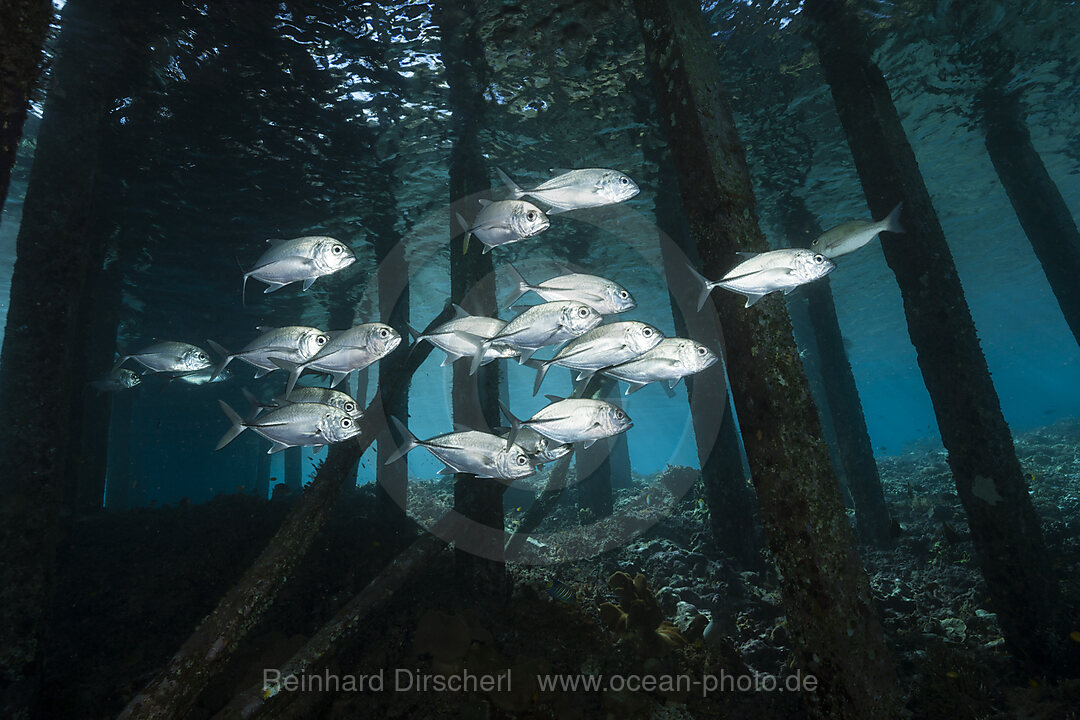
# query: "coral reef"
x,y
639,613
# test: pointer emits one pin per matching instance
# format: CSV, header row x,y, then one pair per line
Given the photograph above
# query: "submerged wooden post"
x,y
55,257
1034,196
989,480
393,279
216,639
261,482
836,635
472,279
23,26
294,469
733,509
873,522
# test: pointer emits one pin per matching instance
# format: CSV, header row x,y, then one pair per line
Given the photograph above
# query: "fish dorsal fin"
x,y
747,255
265,328
484,203
554,398
462,427
560,171
566,269
460,312
274,242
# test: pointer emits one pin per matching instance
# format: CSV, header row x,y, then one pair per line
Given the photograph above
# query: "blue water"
x,y
545,110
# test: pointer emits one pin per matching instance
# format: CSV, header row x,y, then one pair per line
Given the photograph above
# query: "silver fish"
x,y
602,295
445,337
549,323
538,447
334,398
575,189
762,273
601,347
503,222
200,377
573,420
304,258
169,357
119,379
470,451
352,349
326,396
671,360
296,424
850,236
295,343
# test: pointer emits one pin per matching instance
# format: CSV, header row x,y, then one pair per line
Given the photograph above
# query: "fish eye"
x,y
338,249
346,423
624,180
350,407
702,351
320,340
384,333
522,460
819,259
200,355
530,215
583,312
623,294
647,332
619,415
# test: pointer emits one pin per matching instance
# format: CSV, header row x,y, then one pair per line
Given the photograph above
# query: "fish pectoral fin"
x,y
309,282
752,298
633,387
338,377
789,290
556,210
277,447
271,287
588,444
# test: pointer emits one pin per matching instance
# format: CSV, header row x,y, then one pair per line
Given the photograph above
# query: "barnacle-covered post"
x,y
733,509
261,481
393,272
55,258
118,475
1034,195
835,632
873,522
293,469
23,26
989,480
472,279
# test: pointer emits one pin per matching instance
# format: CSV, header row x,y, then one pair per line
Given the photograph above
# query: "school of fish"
x,y
570,320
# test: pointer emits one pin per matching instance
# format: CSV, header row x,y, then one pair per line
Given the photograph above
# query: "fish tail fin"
x,y
119,361
521,285
512,186
706,286
408,441
515,424
892,222
413,332
226,358
468,234
237,425
478,356
294,372
541,371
